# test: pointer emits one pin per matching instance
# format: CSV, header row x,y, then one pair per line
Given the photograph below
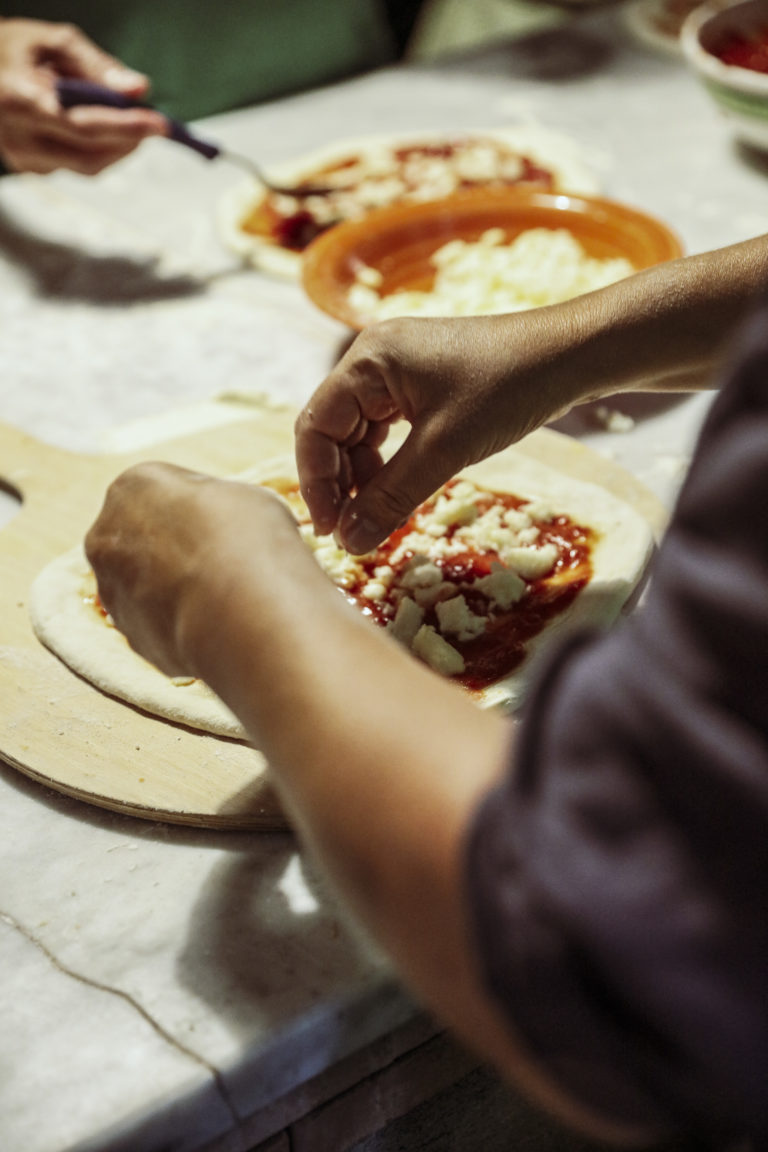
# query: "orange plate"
x,y
399,241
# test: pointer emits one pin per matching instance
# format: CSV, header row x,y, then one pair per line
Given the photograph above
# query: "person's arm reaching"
x,y
619,877
469,387
36,133
378,761
581,899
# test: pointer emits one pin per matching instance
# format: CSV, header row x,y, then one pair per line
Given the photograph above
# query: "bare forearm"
x,y
344,716
662,329
380,765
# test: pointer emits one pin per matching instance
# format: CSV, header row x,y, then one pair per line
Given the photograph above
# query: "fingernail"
x,y
362,535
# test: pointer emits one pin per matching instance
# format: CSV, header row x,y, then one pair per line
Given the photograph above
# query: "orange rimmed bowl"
x,y
398,242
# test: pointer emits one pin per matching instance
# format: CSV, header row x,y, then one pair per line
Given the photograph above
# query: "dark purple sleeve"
x,y
619,876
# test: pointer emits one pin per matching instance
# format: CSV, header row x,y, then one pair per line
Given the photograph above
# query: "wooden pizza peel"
x,y
58,729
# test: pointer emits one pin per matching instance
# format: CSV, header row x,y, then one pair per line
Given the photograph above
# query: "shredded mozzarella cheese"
x,y
413,582
540,266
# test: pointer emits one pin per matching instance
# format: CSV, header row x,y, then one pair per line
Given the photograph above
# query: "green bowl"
x,y
741,94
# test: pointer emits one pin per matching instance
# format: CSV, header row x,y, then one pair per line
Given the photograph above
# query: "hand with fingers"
x,y
470,386
152,548
36,133
465,386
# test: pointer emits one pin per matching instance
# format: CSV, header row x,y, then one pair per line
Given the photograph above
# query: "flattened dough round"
x,y
66,620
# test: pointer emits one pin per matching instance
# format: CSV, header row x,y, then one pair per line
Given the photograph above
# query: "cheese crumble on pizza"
x,y
467,581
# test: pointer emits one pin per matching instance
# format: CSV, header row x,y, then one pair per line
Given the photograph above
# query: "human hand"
x,y
36,133
468,387
167,548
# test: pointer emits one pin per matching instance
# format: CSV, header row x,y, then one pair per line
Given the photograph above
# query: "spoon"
x,y
72,92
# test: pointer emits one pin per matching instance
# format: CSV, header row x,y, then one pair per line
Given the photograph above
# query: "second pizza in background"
x,y
272,230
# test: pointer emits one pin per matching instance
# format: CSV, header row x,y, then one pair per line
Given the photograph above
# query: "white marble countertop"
x,y
161,985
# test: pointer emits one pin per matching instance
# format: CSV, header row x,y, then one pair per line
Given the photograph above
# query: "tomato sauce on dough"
x,y
502,646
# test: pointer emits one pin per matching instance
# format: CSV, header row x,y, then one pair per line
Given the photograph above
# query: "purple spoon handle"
x,y
72,92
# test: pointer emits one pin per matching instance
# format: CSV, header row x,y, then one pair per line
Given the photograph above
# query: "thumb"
x,y
125,80
385,502
84,59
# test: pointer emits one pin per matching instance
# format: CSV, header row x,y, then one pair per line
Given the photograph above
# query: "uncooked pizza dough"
x,y
67,618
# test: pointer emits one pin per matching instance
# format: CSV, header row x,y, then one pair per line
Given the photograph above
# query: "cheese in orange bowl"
x,y
479,252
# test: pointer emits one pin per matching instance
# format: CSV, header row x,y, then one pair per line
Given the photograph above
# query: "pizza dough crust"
x,y
65,619
620,556
559,154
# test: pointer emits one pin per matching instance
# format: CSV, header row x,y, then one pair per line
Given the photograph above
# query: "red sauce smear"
x,y
296,231
502,647
744,51
95,602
